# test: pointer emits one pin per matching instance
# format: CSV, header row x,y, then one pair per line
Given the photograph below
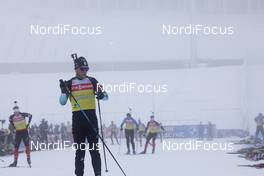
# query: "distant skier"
x,y
152,132
113,132
18,121
130,125
259,122
141,131
85,89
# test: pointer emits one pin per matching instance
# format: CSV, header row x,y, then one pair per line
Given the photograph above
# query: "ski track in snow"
x,y
172,163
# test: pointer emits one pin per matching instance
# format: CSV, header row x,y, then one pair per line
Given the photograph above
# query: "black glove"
x,y
100,95
63,87
121,129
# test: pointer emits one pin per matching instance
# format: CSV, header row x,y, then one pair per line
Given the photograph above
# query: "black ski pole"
x,y
94,130
102,133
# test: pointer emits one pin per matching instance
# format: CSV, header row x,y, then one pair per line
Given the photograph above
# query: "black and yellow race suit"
x,y
84,91
18,121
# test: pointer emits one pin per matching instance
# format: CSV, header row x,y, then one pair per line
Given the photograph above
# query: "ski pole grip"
x,y
64,84
61,81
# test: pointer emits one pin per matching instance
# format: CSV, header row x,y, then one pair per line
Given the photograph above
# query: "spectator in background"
x,y
201,131
2,141
56,133
259,129
69,131
63,132
43,129
209,131
51,133
161,132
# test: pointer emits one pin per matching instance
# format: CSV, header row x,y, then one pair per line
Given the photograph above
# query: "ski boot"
x,y
128,152
29,162
14,164
134,152
153,150
144,152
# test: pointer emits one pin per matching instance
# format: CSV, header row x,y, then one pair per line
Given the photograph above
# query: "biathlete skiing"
x,y
84,90
130,125
21,125
152,130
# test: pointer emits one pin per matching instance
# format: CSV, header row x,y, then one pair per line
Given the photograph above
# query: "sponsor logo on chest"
x,y
18,118
78,85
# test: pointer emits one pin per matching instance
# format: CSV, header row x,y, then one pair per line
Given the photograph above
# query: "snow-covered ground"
x,y
163,162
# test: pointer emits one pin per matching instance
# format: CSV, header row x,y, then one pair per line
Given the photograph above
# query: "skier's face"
x,y
81,71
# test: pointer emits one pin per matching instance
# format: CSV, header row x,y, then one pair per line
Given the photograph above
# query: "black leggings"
x,y
130,139
82,130
21,135
152,136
